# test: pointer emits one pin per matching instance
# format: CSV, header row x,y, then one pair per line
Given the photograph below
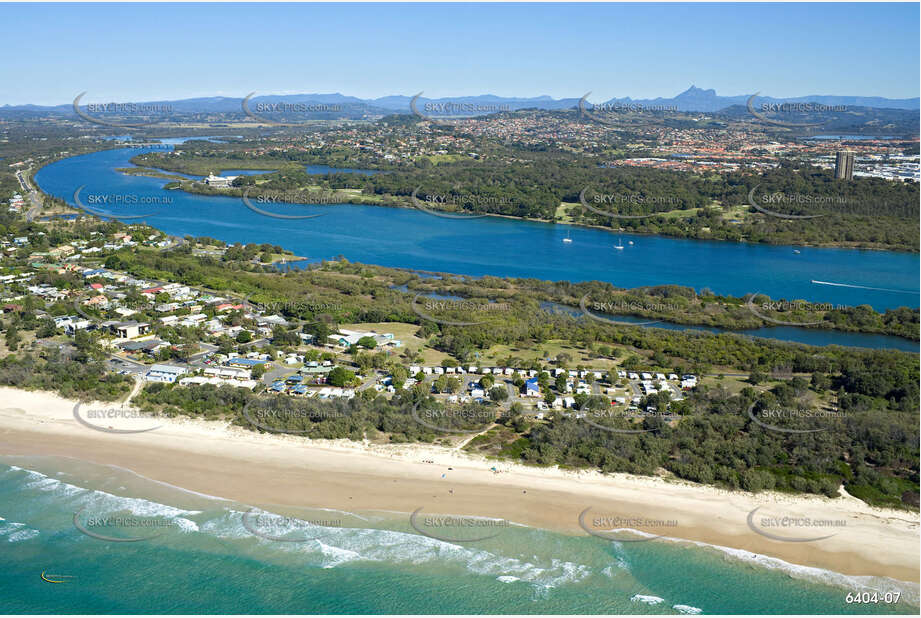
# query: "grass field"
x,y
406,333
547,350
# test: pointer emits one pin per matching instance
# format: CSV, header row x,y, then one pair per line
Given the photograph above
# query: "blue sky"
x,y
138,52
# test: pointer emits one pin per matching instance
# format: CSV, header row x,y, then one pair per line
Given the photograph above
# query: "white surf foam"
x,y
185,525
336,555
648,599
22,535
332,546
16,531
98,502
687,609
870,583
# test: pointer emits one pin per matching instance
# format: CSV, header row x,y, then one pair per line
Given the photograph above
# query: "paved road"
x,y
124,364
276,372
207,348
369,382
34,196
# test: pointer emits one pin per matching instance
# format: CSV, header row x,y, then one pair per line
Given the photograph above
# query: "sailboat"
x,y
629,242
568,239
620,245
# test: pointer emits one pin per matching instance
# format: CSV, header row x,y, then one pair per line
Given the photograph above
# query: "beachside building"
x,y
229,373
164,373
250,384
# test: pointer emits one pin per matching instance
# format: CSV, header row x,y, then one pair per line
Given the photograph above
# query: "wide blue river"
x,y
407,238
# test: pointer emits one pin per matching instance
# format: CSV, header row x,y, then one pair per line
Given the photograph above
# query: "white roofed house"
x,y
235,373
71,323
164,373
213,326
250,384
193,320
271,320
124,311
347,338
219,182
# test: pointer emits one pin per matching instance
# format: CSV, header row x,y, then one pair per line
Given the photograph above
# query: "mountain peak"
x,y
694,91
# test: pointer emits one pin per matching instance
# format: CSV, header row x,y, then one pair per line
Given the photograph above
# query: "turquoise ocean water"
x,y
206,559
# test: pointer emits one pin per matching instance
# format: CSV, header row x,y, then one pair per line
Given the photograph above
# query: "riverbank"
x,y
407,204
407,238
216,459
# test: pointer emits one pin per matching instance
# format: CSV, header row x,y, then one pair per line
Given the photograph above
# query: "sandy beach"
x,y
216,459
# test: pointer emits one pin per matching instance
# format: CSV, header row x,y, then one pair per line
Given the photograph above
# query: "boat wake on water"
x,y
862,287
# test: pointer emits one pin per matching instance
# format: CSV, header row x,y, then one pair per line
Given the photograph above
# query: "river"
x,y
407,238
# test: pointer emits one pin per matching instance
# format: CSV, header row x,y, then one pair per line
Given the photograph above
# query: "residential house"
x,y
164,373
130,329
531,388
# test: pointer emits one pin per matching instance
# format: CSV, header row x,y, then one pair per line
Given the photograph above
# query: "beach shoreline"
x,y
216,459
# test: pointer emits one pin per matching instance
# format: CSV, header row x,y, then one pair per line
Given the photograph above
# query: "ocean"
x,y
201,554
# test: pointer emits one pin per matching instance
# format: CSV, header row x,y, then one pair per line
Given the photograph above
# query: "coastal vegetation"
x,y
870,447
855,420
551,186
677,304
861,431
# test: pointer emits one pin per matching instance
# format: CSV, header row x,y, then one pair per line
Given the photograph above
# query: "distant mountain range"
x,y
693,99
696,99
